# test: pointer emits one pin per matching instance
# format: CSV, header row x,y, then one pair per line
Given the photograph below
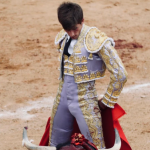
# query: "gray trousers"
x,y
68,109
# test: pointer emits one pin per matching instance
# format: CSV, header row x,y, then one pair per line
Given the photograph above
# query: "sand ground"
x,y
28,64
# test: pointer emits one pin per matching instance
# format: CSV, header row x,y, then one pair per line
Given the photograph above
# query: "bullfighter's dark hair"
x,y
69,14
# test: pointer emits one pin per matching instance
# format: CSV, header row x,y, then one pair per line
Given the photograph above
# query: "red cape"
x,y
109,122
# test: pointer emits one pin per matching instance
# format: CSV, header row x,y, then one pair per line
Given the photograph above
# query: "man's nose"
x,y
72,33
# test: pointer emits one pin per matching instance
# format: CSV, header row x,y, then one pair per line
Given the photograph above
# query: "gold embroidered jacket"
x,y
92,54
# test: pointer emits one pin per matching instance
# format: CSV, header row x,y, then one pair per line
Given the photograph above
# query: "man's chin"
x,y
75,37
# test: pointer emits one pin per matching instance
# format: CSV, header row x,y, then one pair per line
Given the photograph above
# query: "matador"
x,y
85,54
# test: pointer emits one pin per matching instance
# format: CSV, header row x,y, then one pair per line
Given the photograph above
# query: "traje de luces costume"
x,y
77,97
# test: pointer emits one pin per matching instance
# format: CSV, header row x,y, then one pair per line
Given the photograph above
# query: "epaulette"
x,y
95,39
60,36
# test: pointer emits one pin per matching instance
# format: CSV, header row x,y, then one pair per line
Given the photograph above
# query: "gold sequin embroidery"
x,y
90,110
71,59
77,69
70,66
83,59
65,70
78,78
66,64
118,75
93,45
85,77
60,36
92,76
77,60
70,71
84,68
65,58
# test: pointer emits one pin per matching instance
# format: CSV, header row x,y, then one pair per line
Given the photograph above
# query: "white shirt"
x,y
71,46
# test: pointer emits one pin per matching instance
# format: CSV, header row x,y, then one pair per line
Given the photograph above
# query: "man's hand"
x,y
101,105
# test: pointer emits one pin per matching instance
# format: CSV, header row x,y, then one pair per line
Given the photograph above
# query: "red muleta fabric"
x,y
109,122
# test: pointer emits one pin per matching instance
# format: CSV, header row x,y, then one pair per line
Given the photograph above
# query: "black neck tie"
x,y
66,47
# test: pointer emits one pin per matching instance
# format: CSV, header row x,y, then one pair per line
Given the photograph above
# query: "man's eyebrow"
x,y
75,28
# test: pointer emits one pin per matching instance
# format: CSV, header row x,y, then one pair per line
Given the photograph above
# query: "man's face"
x,y
75,32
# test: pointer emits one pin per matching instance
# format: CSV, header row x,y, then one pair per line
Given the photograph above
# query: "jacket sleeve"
x,y
118,74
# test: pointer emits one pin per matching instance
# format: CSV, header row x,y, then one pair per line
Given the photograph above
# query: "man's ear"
x,y
82,21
